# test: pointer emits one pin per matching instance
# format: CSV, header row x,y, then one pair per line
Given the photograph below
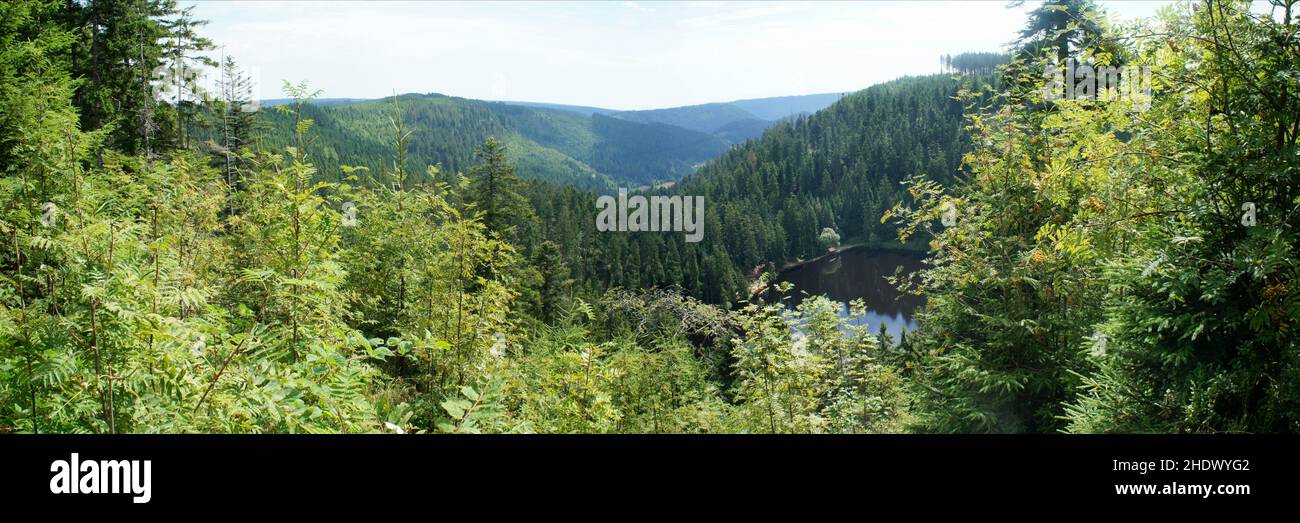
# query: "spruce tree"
x,y
495,190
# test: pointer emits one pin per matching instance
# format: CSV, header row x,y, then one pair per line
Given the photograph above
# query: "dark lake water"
x,y
860,274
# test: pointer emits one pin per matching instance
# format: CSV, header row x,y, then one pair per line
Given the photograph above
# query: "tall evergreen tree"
x,y
238,119
183,52
119,51
495,190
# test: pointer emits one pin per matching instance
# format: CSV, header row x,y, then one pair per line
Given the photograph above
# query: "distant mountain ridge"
x,y
272,102
584,146
580,109
778,107
733,122
560,146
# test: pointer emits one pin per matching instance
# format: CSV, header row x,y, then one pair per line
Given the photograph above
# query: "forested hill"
x,y
778,107
1124,265
767,200
272,102
704,118
840,167
732,122
590,152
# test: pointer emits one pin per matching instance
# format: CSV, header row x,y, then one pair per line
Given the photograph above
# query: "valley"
x,y
960,250
582,146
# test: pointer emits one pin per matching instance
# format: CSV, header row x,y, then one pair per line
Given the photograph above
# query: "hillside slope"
x,y
704,118
778,107
766,200
546,144
733,122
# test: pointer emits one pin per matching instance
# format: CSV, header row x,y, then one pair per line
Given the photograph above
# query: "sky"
x,y
616,55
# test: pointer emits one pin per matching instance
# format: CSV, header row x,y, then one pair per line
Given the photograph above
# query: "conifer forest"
x,y
180,254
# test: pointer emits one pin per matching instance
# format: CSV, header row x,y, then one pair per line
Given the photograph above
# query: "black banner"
x,y
142,473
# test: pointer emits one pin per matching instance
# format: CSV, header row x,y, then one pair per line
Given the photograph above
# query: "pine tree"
x,y
184,57
555,280
495,187
238,120
117,54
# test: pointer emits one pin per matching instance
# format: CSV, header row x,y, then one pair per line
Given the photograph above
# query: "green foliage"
x,y
767,200
1017,251
571,378
828,237
118,51
967,63
1090,266
813,370
591,152
494,190
1202,326
1095,273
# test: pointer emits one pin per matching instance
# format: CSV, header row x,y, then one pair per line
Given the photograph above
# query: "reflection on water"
x,y
860,274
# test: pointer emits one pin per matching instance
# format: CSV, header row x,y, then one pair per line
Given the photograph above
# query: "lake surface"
x,y
860,274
